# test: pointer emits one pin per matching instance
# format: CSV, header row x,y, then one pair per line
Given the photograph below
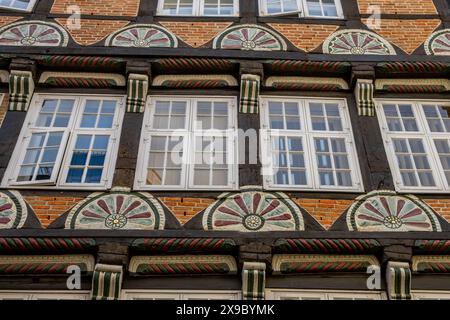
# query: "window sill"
x,y
54,188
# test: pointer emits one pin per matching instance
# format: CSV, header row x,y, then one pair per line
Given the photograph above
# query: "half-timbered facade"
x,y
225,149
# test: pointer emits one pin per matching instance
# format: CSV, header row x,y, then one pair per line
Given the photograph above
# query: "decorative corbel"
x,y
363,76
21,84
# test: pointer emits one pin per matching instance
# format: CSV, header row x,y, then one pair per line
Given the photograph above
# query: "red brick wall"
x,y
407,34
4,20
93,31
304,36
99,7
399,7
441,206
186,208
325,211
48,209
196,34
3,107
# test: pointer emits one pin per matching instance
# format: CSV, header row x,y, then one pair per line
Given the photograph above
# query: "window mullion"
x,y
309,149
428,140
198,7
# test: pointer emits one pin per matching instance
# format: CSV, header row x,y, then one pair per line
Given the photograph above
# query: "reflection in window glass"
x,y
25,5
190,144
417,142
67,142
299,129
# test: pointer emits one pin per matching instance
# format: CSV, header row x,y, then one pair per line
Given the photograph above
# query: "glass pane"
x,y
426,179
92,106
319,124
158,143
94,175
49,155
49,106
314,8
83,142
276,122
295,144
101,143
37,140
44,172
97,158
156,160
79,158
160,122
154,176
281,177
344,179
105,121
291,109
329,8
297,160
173,177
326,178
40,156
61,121
298,178
32,156
275,108
162,108
75,175
26,173
293,123
88,121
220,177
108,107
201,177
409,179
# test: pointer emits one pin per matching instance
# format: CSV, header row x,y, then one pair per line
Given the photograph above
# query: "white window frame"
x,y
198,9
299,294
181,295
62,162
430,295
424,134
188,134
308,136
45,295
2,97
29,8
303,11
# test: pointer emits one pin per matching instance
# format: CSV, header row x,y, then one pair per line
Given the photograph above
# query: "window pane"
x,y
332,161
413,163
170,115
438,117
289,166
443,150
40,156
281,6
329,8
16,4
314,8
325,117
55,113
88,159
178,7
94,175
400,117
218,7
210,161
165,161
98,114
322,8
